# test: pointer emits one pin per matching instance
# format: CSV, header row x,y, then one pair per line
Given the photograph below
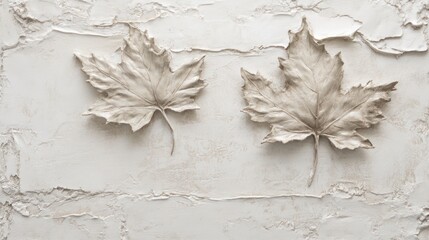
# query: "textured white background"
x,y
65,176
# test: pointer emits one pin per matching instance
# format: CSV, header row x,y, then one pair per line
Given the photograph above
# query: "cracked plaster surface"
x,y
63,176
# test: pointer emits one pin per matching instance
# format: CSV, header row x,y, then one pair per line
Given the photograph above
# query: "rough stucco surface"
x,y
64,176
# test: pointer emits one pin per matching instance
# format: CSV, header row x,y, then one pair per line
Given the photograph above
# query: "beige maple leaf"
x,y
312,102
142,83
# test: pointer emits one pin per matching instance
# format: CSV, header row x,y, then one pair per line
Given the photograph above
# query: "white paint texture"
x,y
65,176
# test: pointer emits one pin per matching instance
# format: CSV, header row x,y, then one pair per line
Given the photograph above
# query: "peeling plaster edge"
x,y
392,52
255,50
252,51
76,194
5,220
84,33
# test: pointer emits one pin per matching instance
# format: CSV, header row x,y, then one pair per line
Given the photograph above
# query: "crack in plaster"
x,y
34,24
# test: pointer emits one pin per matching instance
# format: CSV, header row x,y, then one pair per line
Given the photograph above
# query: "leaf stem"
x,y
171,128
315,160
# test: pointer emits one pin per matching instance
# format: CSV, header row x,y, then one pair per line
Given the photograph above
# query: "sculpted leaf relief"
x,y
312,102
142,83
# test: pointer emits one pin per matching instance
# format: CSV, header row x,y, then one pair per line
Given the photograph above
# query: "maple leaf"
x,y
142,83
312,102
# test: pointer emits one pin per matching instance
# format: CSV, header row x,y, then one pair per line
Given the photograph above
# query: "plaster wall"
x,y
65,176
